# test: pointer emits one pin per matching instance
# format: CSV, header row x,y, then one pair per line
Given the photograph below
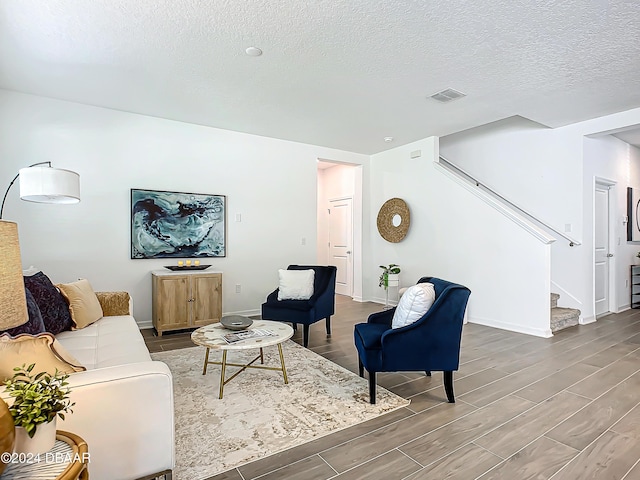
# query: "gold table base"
x,y
224,364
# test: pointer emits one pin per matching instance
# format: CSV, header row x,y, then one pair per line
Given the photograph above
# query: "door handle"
x,y
609,254
348,252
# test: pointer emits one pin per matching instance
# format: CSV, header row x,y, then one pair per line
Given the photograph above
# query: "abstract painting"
x,y
177,225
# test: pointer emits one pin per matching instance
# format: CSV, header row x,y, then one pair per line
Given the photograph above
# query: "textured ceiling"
x,y
338,73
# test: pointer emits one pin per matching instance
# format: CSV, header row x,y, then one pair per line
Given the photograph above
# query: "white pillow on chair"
x,y
295,284
413,304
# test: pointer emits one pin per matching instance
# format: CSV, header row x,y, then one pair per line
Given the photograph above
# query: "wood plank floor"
x,y
562,408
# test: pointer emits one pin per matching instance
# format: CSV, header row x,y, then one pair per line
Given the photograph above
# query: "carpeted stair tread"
x,y
563,318
560,313
554,300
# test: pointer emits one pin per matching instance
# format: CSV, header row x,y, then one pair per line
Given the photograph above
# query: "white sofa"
x,y
123,402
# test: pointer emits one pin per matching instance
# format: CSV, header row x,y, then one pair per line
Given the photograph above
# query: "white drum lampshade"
x,y
13,301
49,185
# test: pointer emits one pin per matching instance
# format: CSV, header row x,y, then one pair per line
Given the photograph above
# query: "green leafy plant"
x,y
38,398
386,271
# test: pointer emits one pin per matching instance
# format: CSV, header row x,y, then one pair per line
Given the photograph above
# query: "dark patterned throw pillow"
x,y
34,325
52,305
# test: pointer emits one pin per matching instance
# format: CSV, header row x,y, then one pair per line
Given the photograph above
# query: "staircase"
x,y
562,317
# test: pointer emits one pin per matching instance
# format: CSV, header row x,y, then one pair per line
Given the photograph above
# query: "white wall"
x,y
550,172
540,170
527,163
271,183
610,158
457,237
625,163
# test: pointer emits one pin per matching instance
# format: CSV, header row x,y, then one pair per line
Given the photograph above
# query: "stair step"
x,y
554,300
563,318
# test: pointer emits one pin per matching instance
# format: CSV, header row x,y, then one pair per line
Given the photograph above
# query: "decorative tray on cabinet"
x,y
186,267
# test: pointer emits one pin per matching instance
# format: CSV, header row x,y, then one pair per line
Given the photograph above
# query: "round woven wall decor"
x,y
391,208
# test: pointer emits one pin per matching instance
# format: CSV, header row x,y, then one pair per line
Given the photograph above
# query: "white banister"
x,y
518,215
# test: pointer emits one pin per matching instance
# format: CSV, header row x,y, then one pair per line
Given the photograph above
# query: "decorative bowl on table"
x,y
175,268
236,322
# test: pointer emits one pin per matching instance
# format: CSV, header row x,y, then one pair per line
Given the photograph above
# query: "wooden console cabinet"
x,y
185,299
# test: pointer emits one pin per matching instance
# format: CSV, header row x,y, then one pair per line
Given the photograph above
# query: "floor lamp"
x,y
45,184
37,184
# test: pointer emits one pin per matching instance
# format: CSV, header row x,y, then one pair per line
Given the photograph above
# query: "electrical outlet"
x,y
303,241
238,288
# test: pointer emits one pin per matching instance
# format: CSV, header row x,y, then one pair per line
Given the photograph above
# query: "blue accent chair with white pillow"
x,y
320,305
432,343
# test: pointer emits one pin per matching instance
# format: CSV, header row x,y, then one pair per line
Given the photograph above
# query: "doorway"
x,y
604,266
339,220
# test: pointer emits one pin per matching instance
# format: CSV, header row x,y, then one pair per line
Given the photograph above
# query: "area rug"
x,y
260,415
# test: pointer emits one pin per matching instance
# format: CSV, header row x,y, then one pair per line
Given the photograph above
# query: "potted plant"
x,y
388,273
38,400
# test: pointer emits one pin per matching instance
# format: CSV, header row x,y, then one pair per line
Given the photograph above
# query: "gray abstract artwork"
x,y
177,225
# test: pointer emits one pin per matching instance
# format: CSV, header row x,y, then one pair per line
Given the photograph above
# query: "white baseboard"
x,y
358,299
144,324
587,320
545,333
382,301
244,313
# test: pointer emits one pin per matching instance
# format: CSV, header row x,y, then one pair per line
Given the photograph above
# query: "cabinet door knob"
x,y
609,254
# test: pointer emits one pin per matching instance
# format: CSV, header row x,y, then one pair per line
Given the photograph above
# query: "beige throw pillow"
x,y
83,303
42,349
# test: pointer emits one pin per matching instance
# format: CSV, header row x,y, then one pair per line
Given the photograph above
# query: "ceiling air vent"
x,y
447,95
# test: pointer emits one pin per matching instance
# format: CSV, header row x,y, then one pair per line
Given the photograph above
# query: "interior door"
x,y
602,252
341,243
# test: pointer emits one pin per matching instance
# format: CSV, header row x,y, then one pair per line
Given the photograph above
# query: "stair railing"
x,y
469,178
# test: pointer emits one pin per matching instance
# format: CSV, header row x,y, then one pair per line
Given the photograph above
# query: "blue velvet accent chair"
x,y
322,303
430,344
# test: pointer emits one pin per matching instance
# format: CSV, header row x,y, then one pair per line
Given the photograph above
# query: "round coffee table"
x,y
212,336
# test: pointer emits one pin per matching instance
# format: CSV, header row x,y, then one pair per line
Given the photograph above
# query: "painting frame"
x,y
633,214
168,224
